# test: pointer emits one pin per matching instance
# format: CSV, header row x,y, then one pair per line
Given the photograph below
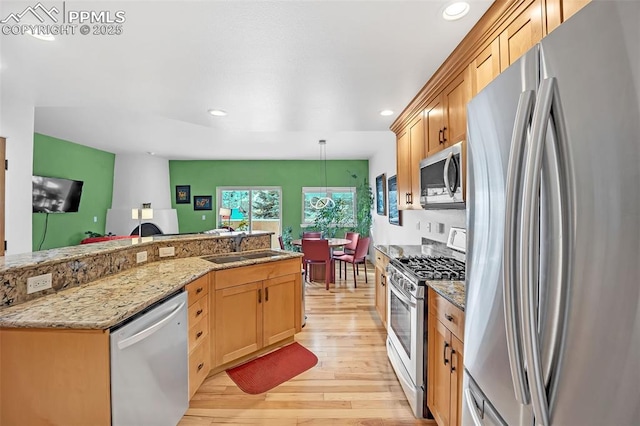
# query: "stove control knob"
x,y
412,287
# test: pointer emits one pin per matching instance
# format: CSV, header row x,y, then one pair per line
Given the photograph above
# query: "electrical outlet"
x,y
38,283
166,251
95,219
141,257
440,228
429,226
204,217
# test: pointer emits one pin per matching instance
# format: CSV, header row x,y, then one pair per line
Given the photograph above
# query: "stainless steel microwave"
x,y
441,179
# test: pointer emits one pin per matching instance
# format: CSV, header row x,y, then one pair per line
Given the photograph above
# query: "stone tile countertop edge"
x,y
453,291
106,302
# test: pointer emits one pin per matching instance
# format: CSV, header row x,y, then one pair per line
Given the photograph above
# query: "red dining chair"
x,y
311,234
348,249
316,252
360,256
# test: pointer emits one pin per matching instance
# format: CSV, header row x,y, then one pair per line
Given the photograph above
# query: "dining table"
x,y
316,272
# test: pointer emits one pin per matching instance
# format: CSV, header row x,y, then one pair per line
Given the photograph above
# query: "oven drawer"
x,y
447,313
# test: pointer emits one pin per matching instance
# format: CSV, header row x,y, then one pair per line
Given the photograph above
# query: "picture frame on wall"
x,y
395,215
381,195
202,202
183,194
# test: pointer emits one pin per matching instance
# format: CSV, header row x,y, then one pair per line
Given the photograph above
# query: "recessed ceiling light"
x,y
217,112
45,37
386,112
455,11
151,153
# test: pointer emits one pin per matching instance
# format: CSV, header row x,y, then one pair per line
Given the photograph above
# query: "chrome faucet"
x,y
237,241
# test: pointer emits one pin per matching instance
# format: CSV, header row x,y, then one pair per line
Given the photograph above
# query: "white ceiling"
x,y
288,73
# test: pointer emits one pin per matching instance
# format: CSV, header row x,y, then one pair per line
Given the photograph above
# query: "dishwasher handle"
x,y
125,343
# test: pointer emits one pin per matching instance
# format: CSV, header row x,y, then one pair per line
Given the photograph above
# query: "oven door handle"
x,y
402,297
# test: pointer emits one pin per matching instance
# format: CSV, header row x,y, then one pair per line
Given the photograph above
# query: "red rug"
x,y
270,370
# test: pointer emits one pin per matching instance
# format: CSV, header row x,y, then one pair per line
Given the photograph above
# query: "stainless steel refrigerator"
x,y
553,261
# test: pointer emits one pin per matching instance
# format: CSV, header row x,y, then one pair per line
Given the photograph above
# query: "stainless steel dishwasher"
x,y
149,366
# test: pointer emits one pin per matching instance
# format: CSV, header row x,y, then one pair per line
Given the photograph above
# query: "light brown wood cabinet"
x,y
445,360
409,151
198,317
250,313
381,286
485,67
522,33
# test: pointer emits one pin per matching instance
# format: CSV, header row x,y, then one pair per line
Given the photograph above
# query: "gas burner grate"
x,y
434,267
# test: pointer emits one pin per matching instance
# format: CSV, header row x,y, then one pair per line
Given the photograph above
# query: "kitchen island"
x,y
54,350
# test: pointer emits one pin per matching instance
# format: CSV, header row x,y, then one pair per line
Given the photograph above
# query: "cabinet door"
x,y
434,118
570,7
416,139
485,67
441,374
238,325
381,295
278,307
403,167
521,34
457,366
455,98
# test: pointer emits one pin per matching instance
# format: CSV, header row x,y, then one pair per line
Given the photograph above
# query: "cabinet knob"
x,y
448,317
199,290
200,366
199,312
198,334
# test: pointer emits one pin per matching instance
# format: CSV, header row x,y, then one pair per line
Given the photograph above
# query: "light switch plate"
x,y
141,256
166,251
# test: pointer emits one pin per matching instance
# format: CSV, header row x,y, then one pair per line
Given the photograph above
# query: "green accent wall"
x,y
59,158
205,176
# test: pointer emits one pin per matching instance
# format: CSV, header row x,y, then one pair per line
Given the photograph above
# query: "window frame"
x,y
329,190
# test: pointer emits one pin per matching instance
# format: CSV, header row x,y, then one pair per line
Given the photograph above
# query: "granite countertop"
x,y
453,291
108,301
80,251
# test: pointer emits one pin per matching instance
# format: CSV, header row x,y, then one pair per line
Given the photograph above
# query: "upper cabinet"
x,y
409,151
446,115
522,33
436,117
485,67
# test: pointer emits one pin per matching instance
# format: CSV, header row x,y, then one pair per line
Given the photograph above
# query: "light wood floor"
x,y
352,384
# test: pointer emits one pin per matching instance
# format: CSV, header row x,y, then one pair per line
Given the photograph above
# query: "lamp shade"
x,y
141,214
224,212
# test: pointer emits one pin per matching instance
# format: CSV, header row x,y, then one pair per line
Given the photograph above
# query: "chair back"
x,y
312,234
316,250
362,248
353,237
281,242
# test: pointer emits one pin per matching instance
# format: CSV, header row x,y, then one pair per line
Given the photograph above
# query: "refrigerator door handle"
x,y
548,109
445,174
510,292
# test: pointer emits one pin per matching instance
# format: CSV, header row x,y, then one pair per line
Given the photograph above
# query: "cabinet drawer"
x,y
198,332
451,316
199,366
198,310
197,289
381,261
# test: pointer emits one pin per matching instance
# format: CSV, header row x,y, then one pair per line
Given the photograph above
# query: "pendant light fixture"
x,y
320,203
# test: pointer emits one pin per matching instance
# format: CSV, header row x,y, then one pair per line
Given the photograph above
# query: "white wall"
x,y
16,124
141,178
414,222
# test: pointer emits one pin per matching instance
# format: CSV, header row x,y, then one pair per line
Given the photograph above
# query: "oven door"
x,y
441,179
406,332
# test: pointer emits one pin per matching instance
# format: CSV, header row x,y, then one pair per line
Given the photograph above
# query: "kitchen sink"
x,y
240,257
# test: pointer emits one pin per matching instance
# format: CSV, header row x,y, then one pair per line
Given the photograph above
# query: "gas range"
x,y
430,268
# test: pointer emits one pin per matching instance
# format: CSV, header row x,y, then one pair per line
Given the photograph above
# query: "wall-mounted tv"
x,y
56,195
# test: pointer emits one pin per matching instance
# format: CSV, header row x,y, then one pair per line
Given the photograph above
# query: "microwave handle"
x,y
445,173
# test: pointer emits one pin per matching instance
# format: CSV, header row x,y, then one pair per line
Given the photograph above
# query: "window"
x,y
252,209
344,197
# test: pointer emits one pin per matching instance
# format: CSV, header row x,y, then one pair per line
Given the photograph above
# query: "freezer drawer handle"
x,y
149,330
473,407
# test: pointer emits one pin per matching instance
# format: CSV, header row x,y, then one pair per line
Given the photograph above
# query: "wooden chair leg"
x,y
355,283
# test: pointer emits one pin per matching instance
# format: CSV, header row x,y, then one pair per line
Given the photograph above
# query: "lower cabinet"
x,y
198,317
381,286
250,316
445,360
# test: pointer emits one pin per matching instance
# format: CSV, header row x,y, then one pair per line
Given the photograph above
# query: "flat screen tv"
x,y
56,195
